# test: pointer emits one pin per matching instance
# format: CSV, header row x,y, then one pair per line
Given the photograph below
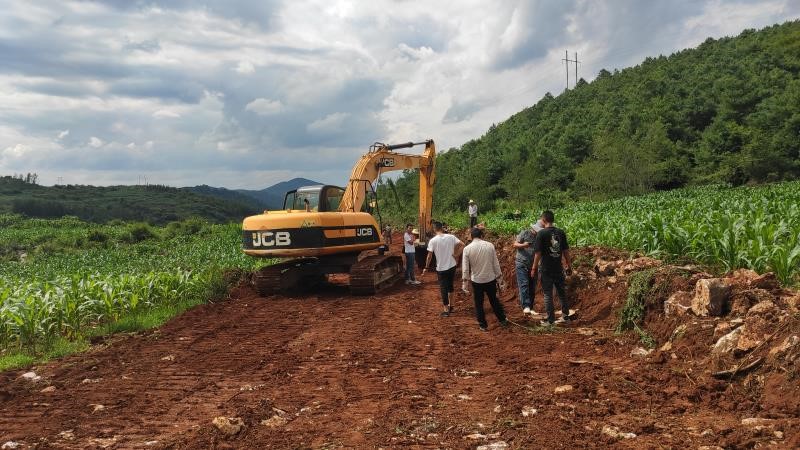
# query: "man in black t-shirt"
x,y
551,247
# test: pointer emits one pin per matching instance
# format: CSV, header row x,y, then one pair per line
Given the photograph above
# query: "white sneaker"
x,y
415,282
526,310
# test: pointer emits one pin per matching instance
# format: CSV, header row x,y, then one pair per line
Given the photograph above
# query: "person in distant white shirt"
x,y
481,266
472,210
446,248
410,251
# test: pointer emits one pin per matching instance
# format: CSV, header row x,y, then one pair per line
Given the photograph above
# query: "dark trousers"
x,y
473,220
410,266
549,281
490,289
446,283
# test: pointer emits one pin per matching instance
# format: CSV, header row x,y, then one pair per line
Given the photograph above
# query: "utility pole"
x,y
566,66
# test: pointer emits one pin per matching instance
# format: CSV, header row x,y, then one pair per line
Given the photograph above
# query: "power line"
x,y
566,66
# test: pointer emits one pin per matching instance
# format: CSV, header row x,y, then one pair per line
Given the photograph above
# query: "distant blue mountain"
x,y
268,198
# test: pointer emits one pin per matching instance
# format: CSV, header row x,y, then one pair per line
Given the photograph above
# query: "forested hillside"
x,y
155,204
727,111
228,195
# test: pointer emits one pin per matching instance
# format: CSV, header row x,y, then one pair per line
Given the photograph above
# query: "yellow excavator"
x,y
328,229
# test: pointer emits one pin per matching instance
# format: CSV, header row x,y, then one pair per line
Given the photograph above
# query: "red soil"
x,y
387,371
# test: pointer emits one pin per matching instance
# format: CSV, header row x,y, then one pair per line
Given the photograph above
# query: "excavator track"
x,y
375,273
288,277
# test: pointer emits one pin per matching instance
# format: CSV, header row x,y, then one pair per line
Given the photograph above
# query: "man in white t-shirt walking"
x,y
446,248
409,250
481,266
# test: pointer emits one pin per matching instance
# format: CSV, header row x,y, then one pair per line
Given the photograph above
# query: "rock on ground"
x,y
788,347
678,304
763,308
710,297
563,389
274,421
640,352
727,343
228,426
614,432
499,445
604,268
31,376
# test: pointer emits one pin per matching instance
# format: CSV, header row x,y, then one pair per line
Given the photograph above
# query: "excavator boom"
x,y
382,158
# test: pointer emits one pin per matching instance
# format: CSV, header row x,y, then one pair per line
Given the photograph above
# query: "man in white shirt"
x,y
446,248
472,210
481,266
410,251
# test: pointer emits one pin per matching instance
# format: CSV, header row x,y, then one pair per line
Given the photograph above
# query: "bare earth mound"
x,y
331,371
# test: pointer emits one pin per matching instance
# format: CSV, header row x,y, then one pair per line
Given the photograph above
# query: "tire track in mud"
x,y
158,384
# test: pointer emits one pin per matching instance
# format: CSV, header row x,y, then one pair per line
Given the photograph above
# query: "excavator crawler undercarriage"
x,y
369,275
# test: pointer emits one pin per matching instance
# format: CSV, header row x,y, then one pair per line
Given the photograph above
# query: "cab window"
x,y
333,197
370,202
289,200
302,199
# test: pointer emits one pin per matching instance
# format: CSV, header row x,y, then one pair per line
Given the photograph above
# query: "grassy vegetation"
x,y
65,281
631,315
154,204
729,228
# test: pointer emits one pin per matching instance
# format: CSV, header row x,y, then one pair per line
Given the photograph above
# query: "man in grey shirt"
x,y
524,243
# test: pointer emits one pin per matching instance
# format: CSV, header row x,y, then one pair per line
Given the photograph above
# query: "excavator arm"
x,y
383,158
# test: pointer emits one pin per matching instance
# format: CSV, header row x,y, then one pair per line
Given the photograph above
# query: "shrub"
x,y
137,233
97,236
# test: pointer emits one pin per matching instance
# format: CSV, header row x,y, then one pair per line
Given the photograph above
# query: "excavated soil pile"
x,y
334,371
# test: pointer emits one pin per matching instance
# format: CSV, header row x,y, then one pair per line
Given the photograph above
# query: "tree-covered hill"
x,y
155,204
726,111
229,195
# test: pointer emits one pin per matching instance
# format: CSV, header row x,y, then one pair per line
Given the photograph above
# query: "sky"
x,y
245,94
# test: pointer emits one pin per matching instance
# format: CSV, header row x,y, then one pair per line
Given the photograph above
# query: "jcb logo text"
x,y
270,239
363,231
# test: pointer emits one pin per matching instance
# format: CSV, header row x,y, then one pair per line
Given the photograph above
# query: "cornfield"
x,y
746,227
49,292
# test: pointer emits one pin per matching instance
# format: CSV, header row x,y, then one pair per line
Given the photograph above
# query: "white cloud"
x,y
329,123
16,151
330,75
416,53
264,106
166,113
245,67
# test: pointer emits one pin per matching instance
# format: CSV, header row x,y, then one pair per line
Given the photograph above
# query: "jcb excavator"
x,y
325,229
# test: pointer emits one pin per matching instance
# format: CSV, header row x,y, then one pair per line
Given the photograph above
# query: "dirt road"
x,y
334,371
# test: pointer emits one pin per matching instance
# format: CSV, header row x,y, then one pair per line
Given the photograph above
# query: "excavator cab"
x,y
319,198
